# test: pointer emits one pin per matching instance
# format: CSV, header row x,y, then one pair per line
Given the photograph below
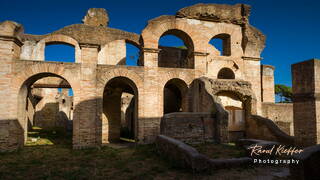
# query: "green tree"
x,y
181,47
284,92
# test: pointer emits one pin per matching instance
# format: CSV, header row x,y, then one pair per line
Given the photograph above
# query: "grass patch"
x,y
220,151
59,161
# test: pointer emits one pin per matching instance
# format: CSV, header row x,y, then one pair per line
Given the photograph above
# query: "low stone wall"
x,y
281,114
266,129
188,157
11,135
188,127
308,167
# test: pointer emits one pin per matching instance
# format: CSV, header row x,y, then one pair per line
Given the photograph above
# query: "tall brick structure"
x,y
306,106
99,75
267,81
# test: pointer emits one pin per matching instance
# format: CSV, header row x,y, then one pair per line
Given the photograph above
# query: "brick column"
x,y
11,131
306,98
267,83
252,73
150,57
200,63
150,109
85,113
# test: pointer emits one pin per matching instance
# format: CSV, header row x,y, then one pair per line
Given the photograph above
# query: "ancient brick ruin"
x,y
210,95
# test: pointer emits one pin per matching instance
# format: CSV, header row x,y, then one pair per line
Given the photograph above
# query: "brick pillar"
x,y
252,74
11,131
150,107
85,113
200,63
306,102
267,83
150,57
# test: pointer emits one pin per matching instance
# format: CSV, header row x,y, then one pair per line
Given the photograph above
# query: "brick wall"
x,y
188,127
306,89
281,114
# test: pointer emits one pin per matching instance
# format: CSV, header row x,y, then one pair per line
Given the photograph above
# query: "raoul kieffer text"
x,y
277,150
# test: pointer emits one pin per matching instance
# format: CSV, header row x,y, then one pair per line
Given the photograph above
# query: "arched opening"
x,y
174,95
132,54
44,111
222,43
226,73
60,52
176,50
237,114
120,110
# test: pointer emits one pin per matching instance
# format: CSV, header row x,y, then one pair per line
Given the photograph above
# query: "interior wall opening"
x,y
46,111
226,73
222,43
59,52
120,111
175,92
176,50
236,110
132,54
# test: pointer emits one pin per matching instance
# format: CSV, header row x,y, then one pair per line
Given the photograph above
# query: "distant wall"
x,y
53,110
188,127
173,57
281,114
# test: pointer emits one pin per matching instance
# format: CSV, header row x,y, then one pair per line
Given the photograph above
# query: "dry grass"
x,y
41,160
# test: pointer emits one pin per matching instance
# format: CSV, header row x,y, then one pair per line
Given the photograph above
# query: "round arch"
x,y
152,33
23,93
175,96
185,59
120,110
226,73
226,43
56,39
103,79
106,76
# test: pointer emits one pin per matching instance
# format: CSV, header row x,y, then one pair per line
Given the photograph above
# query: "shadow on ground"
x,y
43,160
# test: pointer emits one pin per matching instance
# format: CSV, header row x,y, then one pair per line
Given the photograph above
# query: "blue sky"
x,y
291,27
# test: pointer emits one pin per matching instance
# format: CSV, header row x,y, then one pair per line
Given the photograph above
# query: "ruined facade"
x,y
166,79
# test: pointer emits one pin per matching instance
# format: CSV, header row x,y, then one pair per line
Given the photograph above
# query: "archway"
x,y
59,52
176,50
222,43
175,96
46,113
61,45
120,110
226,73
236,114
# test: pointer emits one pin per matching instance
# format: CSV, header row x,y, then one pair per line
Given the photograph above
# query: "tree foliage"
x,y
284,92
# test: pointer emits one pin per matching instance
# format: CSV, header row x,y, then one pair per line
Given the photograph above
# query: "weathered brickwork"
x,y
267,81
306,89
99,75
193,127
281,114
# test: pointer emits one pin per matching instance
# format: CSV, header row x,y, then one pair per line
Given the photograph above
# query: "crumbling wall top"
x,y
10,28
94,30
89,34
96,17
235,14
